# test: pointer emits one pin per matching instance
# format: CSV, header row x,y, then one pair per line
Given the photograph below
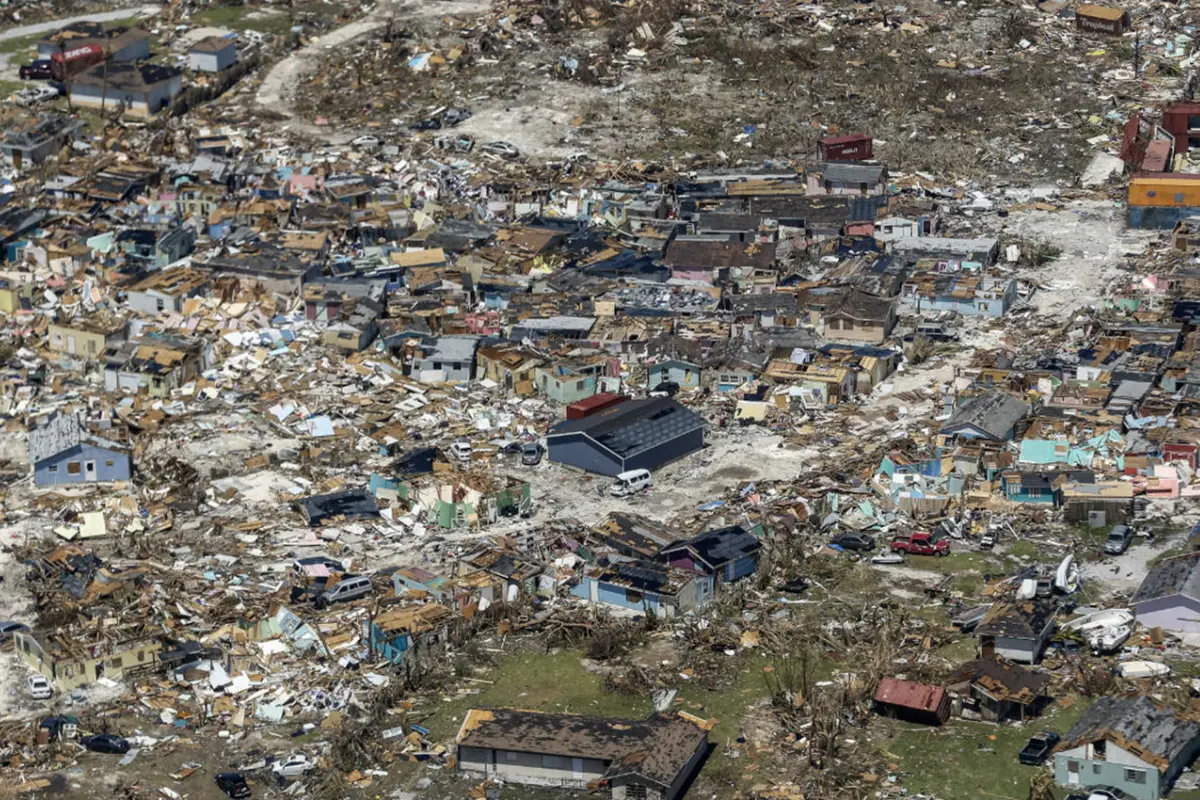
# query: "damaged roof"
x,y
1171,576
1151,732
1026,619
1002,679
993,415
657,748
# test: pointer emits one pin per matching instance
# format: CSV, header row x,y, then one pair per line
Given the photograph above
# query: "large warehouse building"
x,y
635,434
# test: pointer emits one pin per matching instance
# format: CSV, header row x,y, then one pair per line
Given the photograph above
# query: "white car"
x,y
29,97
293,766
39,688
366,142
502,149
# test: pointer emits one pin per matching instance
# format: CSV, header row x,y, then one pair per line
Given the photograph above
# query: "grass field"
x,y
245,18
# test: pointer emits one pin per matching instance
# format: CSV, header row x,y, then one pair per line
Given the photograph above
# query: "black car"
x,y
1038,748
40,70
855,541
105,743
233,784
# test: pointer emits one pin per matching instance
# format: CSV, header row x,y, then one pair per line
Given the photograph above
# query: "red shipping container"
x,y
590,405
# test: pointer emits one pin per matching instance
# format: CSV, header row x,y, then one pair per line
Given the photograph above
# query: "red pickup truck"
x,y
921,544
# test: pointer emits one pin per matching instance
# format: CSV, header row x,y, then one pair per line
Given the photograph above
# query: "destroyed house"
x,y
156,363
999,691
982,251
1039,488
36,139
1169,596
519,575
1130,743
636,434
634,536
88,337
118,42
968,295
703,259
647,587
166,291
154,247
63,451
911,701
724,555
652,758
71,665
1018,631
350,505
399,633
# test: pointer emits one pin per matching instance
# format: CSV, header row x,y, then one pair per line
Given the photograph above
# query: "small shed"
x,y
915,702
1101,19
214,54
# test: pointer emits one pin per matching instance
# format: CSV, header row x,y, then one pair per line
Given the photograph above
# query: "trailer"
x,y
67,63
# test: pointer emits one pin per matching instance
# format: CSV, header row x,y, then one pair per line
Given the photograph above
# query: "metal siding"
x,y
668,451
577,450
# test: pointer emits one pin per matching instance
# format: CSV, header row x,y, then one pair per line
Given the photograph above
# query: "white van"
x,y
351,587
461,452
631,482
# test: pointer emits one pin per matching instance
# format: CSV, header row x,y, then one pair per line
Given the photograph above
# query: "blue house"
x,y
684,373
1129,743
644,587
1033,487
723,555
395,634
63,451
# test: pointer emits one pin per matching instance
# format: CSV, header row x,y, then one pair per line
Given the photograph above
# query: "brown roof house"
x,y
915,702
997,690
860,317
1017,631
706,259
648,758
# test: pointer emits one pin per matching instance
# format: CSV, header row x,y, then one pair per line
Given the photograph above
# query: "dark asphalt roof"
x,y
993,414
1024,620
657,748
635,425
720,546
1171,576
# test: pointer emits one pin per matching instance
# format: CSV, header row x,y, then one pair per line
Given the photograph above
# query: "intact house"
x,y
212,54
156,363
34,140
87,337
142,89
650,759
839,177
1128,743
705,259
860,317
168,290
683,373
63,451
357,327
996,690
723,555
992,417
1018,631
635,434
446,359
1169,597
645,587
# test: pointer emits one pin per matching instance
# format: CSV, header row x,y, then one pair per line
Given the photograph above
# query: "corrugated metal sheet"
x,y
908,694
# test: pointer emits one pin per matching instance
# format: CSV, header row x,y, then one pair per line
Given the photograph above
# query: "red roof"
x,y
907,694
598,401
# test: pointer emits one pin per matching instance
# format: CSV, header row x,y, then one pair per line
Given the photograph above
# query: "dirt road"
x,y
10,73
275,92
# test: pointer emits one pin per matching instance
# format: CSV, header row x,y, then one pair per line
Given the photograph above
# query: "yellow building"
x,y
88,337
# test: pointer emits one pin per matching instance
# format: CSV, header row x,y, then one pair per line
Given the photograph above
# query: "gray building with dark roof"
x,y
652,757
1169,597
992,417
636,434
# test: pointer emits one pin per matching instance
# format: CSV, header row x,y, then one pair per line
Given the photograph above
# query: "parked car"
x,y
39,70
461,452
367,142
1108,793
293,766
349,588
531,454
9,627
39,688
921,544
988,540
233,784
1038,748
106,743
453,116
631,482
858,542
1119,539
502,149
30,97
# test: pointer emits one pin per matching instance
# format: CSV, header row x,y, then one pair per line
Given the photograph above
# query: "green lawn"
x,y
245,18
554,682
970,759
